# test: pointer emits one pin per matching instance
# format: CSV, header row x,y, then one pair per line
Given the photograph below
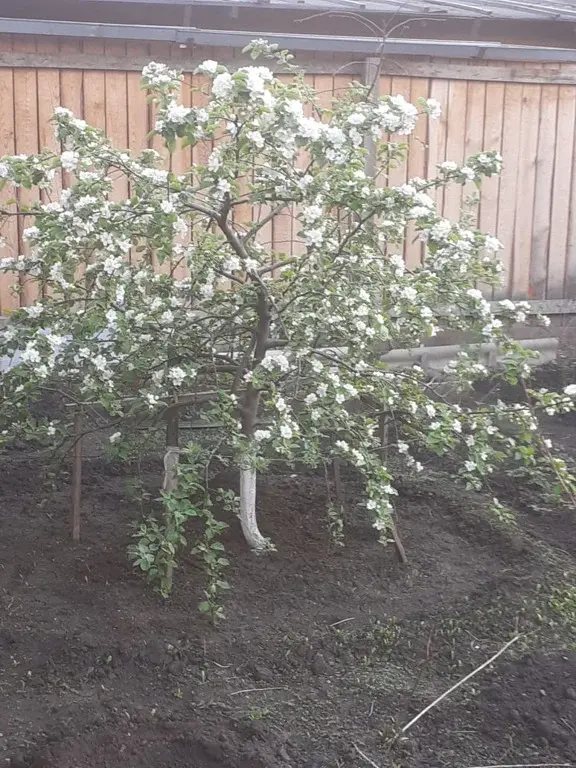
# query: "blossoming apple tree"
x,y
174,296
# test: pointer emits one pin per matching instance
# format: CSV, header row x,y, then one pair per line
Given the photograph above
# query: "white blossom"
x,y
30,354
492,244
214,160
262,434
69,160
177,376
441,229
434,109
449,166
177,113
256,137
30,233
155,74
35,310
222,85
311,213
208,67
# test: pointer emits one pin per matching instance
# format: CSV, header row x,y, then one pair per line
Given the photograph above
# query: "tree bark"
x,y
248,415
248,520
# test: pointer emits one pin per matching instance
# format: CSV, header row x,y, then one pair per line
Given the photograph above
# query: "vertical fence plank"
x,y
71,88
493,120
296,245
570,269
94,91
9,301
562,191
538,255
117,113
26,136
138,112
160,52
419,89
398,175
342,84
385,90
437,133
138,126
71,84
455,139
181,161
509,181
48,95
528,146
49,98
200,97
474,141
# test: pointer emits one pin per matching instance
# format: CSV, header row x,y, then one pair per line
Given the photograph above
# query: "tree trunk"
x,y
248,520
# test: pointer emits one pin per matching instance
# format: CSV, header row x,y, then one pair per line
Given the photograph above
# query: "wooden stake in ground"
x,y
383,436
171,460
400,551
77,474
338,484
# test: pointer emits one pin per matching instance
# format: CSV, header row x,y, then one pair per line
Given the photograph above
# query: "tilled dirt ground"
x,y
326,651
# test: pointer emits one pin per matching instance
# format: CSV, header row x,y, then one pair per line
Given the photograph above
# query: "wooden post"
x,y
400,551
171,459
371,76
338,484
77,474
383,435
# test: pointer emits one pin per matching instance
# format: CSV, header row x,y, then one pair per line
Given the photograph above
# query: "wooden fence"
x,y
526,111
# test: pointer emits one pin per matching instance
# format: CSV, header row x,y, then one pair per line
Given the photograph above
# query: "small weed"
x,y
555,606
374,642
259,713
137,493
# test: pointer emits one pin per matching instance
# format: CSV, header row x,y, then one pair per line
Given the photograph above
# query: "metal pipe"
x,y
369,46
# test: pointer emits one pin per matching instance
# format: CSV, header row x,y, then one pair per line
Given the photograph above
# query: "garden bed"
x,y
326,651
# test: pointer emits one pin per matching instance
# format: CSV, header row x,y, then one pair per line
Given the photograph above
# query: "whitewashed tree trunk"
x,y
248,520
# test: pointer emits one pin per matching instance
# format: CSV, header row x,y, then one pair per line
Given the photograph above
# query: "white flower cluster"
x,y
156,75
396,115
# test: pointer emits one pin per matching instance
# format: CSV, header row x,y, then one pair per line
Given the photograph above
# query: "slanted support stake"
x,y
77,474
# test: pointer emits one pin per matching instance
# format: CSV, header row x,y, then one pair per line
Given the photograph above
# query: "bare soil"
x,y
326,651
